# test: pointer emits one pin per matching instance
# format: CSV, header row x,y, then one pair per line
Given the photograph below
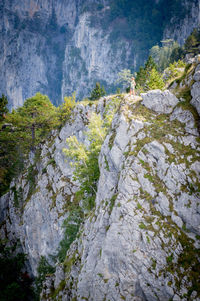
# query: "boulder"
x,y
159,101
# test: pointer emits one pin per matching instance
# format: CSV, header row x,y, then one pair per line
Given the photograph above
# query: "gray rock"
x,y
195,92
197,76
186,117
177,220
147,201
160,102
59,275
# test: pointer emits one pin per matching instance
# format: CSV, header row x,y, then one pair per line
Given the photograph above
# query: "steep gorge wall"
x,y
141,241
179,30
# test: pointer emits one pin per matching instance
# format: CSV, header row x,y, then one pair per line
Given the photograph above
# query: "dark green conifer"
x,y
97,92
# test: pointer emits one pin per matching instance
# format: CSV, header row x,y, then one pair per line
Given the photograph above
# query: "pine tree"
x,y
149,65
35,118
97,92
143,75
154,81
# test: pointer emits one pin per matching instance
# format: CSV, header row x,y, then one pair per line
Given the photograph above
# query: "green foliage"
x,y
192,43
171,52
35,118
64,111
85,159
143,73
97,92
71,225
15,283
43,269
22,130
141,21
148,78
177,54
124,77
31,177
110,110
154,81
11,157
174,70
162,55
3,107
18,196
86,171
112,202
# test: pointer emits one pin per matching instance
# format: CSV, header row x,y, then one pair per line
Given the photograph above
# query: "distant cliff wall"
x,y
179,30
58,47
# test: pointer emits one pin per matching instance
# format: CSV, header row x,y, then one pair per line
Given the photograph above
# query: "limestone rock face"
x,y
52,48
195,90
141,240
147,213
35,208
160,102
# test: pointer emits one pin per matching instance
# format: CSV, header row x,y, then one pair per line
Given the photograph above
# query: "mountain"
x,y
140,241
58,47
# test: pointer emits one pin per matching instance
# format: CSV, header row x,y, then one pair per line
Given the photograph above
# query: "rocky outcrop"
x,y
34,209
160,102
195,89
141,242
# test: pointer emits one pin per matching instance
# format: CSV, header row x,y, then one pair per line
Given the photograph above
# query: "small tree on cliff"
x,y
65,109
34,119
97,92
3,107
124,78
22,130
148,78
154,81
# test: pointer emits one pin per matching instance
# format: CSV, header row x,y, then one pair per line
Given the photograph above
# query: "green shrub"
x,y
97,92
71,226
85,160
44,268
65,109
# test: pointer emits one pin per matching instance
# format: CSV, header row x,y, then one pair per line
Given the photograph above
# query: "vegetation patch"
x,y
31,178
71,226
43,269
112,203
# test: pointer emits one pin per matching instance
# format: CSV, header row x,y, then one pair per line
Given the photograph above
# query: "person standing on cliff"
x,y
133,84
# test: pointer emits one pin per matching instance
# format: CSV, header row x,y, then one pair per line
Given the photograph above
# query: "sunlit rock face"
x,y
58,47
141,240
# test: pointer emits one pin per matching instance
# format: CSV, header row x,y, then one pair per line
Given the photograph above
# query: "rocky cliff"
x,y
141,241
178,29
58,47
